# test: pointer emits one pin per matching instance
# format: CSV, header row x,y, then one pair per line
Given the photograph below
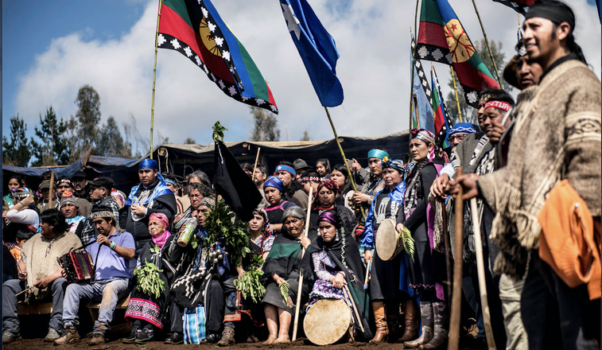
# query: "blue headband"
x,y
285,168
396,164
274,181
462,128
377,153
149,164
170,181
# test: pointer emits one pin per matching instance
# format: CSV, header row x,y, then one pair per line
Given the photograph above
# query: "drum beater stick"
x,y
357,314
368,271
296,324
481,273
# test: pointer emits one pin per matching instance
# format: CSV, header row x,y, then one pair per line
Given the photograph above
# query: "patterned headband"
x,y
102,214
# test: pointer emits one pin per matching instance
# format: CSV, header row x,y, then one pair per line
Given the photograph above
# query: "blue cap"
x,y
274,181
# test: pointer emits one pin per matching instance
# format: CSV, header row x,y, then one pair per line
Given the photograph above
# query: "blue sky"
x,y
51,48
28,31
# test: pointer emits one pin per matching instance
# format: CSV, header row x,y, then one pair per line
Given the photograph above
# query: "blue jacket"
x,y
396,195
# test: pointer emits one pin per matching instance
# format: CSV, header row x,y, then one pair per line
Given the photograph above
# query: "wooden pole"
x,y
256,159
456,305
481,274
447,245
155,79
368,271
336,137
497,74
416,111
357,314
451,68
50,190
296,322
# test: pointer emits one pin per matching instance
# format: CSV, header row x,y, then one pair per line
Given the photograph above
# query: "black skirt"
x,y
384,280
428,267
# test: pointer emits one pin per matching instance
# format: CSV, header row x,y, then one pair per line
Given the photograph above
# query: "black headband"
x,y
555,11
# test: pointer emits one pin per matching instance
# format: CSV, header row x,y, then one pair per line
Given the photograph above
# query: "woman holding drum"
x,y
427,271
284,264
340,276
389,283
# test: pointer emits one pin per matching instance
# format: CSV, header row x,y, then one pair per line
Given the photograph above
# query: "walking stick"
x,y
50,190
357,314
256,159
481,273
448,261
296,324
454,325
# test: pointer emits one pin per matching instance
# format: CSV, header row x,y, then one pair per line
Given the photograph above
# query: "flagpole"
x,y
336,137
412,76
451,68
487,43
154,79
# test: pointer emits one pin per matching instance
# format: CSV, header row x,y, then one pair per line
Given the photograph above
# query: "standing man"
x,y
300,167
182,201
80,184
45,191
100,193
111,252
150,196
556,138
259,178
39,269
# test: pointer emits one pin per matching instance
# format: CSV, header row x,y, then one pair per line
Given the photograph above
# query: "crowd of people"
x,y
532,165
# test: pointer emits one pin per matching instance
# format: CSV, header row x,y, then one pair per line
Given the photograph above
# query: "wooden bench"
x,y
120,328
34,309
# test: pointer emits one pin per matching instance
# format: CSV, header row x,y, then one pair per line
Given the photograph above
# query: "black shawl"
x,y
284,257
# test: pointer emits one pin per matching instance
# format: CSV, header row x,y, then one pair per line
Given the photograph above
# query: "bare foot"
x,y
285,339
270,340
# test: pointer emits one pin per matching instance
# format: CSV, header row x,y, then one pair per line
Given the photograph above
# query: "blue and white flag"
x,y
316,48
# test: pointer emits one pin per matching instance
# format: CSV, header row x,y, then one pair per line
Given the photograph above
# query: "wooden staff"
x,y
357,314
487,43
336,137
23,291
256,159
481,273
50,190
454,325
448,261
155,79
300,289
416,111
451,69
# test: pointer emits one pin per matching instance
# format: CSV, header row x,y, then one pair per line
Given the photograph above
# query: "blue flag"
x,y
316,48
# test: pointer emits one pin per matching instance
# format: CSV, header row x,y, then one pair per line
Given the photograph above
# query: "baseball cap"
x,y
79,174
105,182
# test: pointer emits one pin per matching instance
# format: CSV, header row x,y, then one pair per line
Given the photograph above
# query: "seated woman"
x,y
325,199
149,312
261,239
284,264
196,193
338,264
273,189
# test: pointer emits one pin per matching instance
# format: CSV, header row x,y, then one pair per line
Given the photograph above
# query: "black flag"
x,y
233,184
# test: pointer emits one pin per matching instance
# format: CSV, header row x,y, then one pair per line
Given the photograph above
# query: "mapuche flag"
x,y
196,30
443,39
316,48
442,122
520,6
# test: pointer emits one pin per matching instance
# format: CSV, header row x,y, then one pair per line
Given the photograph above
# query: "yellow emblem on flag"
x,y
460,47
207,38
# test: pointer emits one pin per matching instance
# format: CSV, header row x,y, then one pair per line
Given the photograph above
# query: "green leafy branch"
x,y
408,242
220,223
148,280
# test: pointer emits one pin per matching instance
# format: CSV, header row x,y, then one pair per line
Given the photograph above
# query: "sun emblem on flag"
x,y
460,47
208,39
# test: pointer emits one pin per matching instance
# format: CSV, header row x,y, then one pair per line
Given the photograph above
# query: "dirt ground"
x,y
115,344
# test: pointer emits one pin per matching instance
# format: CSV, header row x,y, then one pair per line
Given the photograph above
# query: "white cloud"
x,y
372,38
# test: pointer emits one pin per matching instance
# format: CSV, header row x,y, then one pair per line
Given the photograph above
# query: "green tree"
x,y
469,114
53,148
305,136
189,141
266,125
110,142
16,151
84,125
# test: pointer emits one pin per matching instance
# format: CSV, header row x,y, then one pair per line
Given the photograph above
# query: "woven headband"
x,y
312,178
286,168
102,214
505,106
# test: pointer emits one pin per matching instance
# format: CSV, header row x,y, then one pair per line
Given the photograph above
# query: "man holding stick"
x,y
561,126
40,275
